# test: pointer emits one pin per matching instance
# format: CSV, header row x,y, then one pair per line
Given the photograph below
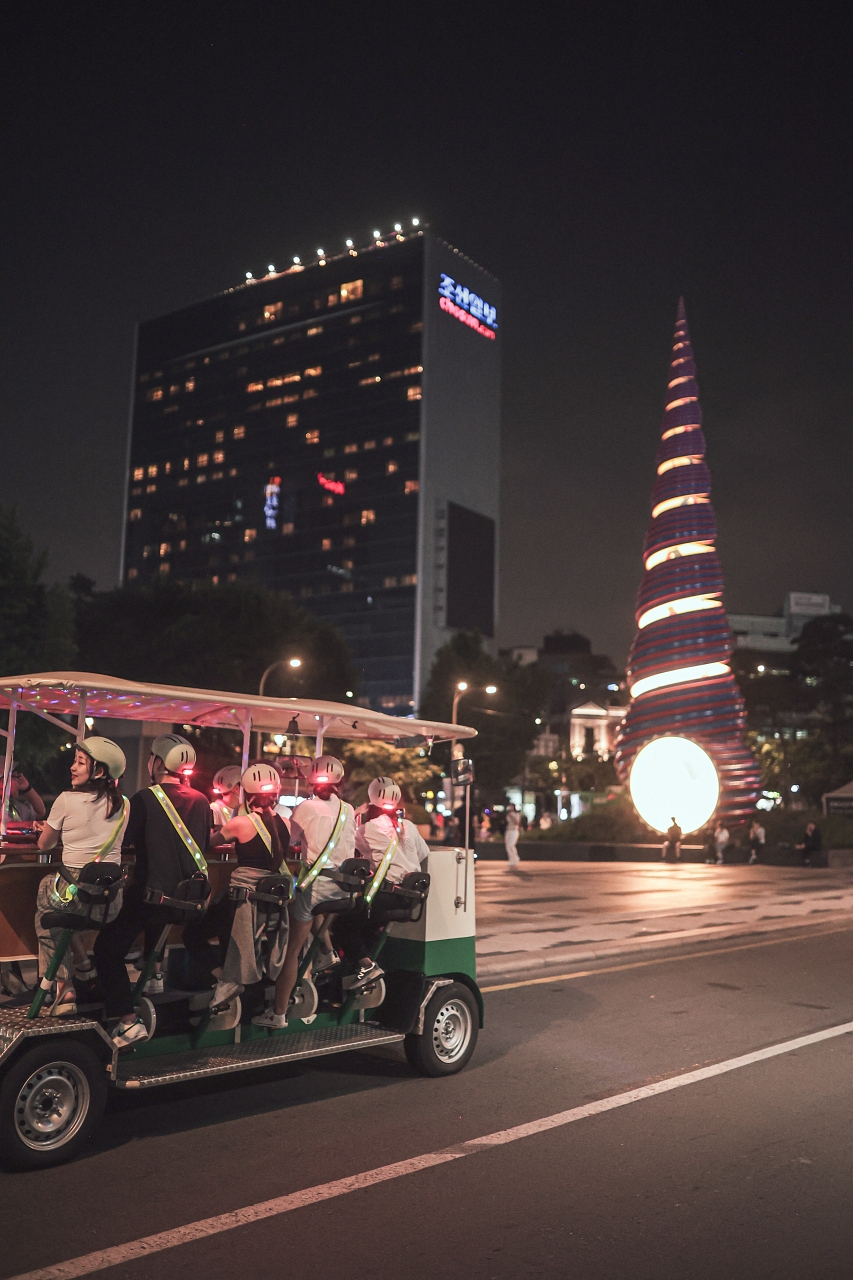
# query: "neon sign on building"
x,y
333,486
469,307
271,492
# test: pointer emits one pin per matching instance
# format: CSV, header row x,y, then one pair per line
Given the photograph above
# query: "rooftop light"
x,y
376,235
349,244
271,269
397,226
416,222
321,253
248,275
297,261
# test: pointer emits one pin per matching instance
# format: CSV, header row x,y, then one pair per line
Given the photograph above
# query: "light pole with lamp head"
x,y
463,687
293,663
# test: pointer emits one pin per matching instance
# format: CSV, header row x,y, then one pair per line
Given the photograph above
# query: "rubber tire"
x,y
420,1050
14,1154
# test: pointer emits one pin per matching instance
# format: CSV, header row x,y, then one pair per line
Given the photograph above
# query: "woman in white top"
x,y
381,835
90,819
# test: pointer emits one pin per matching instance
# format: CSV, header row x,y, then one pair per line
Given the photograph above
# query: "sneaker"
x,y
223,992
364,976
326,960
269,1018
85,972
126,1035
154,986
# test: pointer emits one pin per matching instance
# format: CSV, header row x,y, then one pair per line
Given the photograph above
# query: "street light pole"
x,y
295,663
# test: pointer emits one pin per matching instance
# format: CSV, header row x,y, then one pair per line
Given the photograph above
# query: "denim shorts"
x,y
303,901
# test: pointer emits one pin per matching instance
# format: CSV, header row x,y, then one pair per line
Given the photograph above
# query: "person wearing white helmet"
x,y
226,786
322,833
261,842
163,859
90,819
394,847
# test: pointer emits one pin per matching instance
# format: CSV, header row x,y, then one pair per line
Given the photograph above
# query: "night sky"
x,y
600,163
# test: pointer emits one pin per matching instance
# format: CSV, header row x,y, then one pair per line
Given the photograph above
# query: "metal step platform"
x,y
260,1052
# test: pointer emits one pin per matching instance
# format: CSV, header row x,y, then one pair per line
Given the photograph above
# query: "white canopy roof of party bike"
x,y
80,694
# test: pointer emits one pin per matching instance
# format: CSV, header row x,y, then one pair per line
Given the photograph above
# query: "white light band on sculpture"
x,y
685,604
674,778
686,460
687,500
682,675
676,552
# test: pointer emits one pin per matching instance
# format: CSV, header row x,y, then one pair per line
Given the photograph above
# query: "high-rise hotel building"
x,y
332,430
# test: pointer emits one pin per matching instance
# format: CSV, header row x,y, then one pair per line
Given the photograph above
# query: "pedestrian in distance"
x,y
672,843
513,826
718,843
812,847
757,838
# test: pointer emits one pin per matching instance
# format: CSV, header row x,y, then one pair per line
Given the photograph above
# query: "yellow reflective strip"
x,y
180,826
382,869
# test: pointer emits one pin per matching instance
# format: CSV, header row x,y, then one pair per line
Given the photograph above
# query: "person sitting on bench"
x,y
91,819
394,847
164,858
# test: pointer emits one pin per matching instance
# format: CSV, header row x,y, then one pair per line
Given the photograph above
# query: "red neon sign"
x,y
452,309
334,486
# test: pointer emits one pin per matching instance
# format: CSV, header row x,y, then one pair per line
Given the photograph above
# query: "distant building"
x,y
331,430
780,632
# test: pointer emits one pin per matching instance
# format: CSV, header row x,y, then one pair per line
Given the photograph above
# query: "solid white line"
x,y
123,1253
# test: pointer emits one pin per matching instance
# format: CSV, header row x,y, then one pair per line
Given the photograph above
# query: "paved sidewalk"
x,y
549,916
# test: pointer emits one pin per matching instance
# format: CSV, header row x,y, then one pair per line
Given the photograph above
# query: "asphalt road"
x,y
747,1173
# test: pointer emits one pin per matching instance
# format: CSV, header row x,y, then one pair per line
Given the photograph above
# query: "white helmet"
x,y
326,769
261,780
106,752
384,793
177,754
226,779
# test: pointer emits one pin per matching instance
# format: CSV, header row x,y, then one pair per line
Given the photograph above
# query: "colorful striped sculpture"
x,y
678,669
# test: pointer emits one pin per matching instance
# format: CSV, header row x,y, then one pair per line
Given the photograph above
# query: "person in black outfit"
x,y
812,847
162,862
672,843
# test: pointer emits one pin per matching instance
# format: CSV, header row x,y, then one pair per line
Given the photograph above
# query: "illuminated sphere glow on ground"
x,y
674,778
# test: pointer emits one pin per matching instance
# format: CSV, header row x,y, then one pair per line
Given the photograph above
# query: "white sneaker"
x,y
154,986
269,1018
126,1035
325,960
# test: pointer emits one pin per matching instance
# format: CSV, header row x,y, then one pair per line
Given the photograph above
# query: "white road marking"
x,y
124,1253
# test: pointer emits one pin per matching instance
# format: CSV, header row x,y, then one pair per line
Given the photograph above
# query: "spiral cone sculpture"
x,y
678,669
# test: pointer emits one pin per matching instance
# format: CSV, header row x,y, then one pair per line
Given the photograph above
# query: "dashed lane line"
x,y
121,1254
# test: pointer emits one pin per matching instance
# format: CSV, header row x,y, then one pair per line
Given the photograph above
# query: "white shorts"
x,y
303,900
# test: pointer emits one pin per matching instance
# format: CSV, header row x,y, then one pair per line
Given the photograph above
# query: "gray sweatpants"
x,y
245,960
48,938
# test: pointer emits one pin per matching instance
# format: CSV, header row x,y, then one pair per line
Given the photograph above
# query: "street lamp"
x,y
293,663
463,687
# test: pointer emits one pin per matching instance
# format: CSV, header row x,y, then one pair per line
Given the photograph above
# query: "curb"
x,y
498,968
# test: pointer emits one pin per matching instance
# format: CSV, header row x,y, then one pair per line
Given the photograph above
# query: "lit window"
x,y
165,548
396,282
349,541
255,386
217,475
271,404
249,535
412,436
354,364
220,437
151,488
412,486
292,377
314,371
165,567
167,467
136,492
370,382
356,319
290,399
183,482
232,577
200,479
372,359
409,580
173,408
390,582
174,388
215,579
332,300
315,329
133,573
135,514
368,517
274,382
369,444
328,500
350,448
413,393
350,476
416,368
292,420
390,468
219,456
310,394
186,464
346,564
312,437
326,544
156,393
272,311
146,552
239,433
189,385
202,460
138,473
389,440
182,545
354,289
287,529
417,327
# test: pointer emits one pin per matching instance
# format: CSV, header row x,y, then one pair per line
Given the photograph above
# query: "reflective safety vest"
x,y
181,827
62,899
306,876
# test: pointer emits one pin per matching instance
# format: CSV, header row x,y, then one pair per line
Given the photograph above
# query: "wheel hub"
x,y
451,1031
51,1106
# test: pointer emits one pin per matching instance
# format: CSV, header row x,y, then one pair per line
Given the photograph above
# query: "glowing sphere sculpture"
x,y
678,669
674,778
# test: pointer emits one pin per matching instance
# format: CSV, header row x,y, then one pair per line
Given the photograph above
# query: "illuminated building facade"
x,y
679,673
333,431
